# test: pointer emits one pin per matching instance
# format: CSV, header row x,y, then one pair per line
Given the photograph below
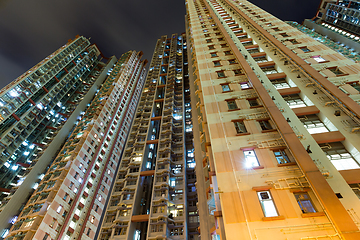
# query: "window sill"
x,y
258,167
286,164
228,91
273,218
259,106
235,109
242,134
316,214
341,75
269,130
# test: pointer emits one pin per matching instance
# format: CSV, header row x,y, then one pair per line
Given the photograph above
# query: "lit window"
x,y
294,101
244,85
339,156
58,210
313,124
304,202
225,87
281,156
267,204
251,159
319,59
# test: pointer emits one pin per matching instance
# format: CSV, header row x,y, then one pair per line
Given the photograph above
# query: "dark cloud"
x,y
31,30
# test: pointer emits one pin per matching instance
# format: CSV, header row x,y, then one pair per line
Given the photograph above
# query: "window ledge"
x,y
269,130
341,75
243,134
286,164
259,106
316,214
235,109
258,167
228,91
273,218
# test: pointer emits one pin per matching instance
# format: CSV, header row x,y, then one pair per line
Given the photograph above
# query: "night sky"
x,y
32,30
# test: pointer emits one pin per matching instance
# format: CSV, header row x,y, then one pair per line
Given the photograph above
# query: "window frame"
x,y
240,127
260,195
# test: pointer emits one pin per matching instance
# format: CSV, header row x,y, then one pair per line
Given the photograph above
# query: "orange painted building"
x,y
278,127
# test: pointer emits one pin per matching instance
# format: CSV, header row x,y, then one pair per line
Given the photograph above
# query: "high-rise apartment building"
x,y
247,128
69,181
38,110
154,194
336,25
278,127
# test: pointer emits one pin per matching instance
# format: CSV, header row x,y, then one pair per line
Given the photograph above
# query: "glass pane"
x,y
250,159
269,209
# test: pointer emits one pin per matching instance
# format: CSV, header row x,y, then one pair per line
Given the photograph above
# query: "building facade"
x,y
277,133
336,25
154,196
67,201
38,110
247,127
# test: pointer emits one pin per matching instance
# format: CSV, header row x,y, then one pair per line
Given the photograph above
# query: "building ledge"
x,y
273,218
316,214
286,164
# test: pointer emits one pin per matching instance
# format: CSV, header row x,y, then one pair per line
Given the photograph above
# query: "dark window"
x,y
240,127
253,102
232,61
227,53
217,63
293,41
305,49
336,71
211,47
265,125
237,71
231,104
213,54
221,74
